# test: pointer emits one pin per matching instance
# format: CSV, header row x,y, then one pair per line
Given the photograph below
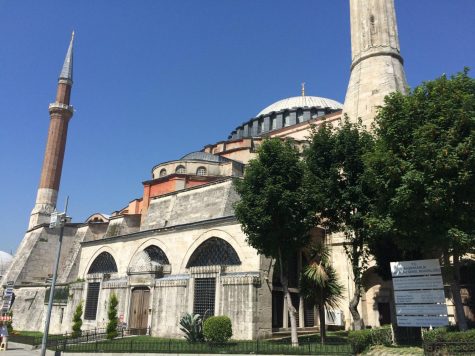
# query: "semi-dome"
x,y
301,102
5,262
203,156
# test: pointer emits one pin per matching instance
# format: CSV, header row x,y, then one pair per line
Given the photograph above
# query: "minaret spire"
x,y
60,114
67,70
376,62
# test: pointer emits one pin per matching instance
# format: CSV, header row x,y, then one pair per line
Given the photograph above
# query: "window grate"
x,y
157,255
214,252
104,263
91,301
203,301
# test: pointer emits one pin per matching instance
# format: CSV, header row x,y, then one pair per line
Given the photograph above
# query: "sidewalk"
x,y
15,349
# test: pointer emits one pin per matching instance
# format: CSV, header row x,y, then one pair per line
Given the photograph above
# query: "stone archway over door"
x,y
139,303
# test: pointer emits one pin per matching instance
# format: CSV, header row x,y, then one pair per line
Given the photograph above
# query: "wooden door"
x,y
138,319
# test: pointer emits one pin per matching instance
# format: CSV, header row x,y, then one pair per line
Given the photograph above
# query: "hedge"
x,y
217,329
443,335
443,342
360,340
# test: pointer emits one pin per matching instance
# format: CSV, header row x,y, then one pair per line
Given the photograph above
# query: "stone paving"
x,y
15,349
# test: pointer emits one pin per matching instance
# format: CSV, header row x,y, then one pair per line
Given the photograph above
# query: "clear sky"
x,y
154,80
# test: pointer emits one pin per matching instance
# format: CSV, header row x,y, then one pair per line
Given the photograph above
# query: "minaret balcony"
x,y
59,107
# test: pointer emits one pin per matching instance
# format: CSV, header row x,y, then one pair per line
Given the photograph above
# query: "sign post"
x,y
419,293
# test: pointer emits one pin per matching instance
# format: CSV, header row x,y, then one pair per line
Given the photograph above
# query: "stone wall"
x,y
169,304
191,205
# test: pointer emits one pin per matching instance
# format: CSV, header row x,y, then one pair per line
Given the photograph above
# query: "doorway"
x,y
139,303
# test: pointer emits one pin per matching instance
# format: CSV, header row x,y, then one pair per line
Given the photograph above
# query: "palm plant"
x,y
319,284
192,325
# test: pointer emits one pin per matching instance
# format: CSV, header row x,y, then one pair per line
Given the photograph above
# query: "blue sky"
x,y
154,80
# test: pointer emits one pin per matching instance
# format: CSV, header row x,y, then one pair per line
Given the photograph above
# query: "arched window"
x,y
286,119
273,121
180,169
201,171
148,260
212,252
163,172
299,116
104,263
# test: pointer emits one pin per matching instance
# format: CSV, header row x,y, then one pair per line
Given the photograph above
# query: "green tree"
x,y
273,210
335,164
111,328
422,172
319,284
77,321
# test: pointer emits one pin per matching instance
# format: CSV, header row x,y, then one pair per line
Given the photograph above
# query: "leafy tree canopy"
x,y
273,209
422,170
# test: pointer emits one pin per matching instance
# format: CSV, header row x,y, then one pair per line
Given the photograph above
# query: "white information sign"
x,y
419,296
419,293
421,309
427,282
415,268
422,321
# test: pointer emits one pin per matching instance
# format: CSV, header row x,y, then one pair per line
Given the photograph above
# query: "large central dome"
x,y
284,113
301,102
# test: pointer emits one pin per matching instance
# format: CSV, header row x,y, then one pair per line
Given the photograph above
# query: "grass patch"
x,y
394,350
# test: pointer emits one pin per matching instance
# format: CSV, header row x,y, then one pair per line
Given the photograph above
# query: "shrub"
x,y
10,322
77,321
192,326
360,340
217,329
443,335
112,316
449,342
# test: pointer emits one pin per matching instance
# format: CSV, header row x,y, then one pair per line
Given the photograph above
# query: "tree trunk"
x,y
321,316
357,322
455,289
290,307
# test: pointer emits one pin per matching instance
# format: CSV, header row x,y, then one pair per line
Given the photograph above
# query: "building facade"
x,y
179,248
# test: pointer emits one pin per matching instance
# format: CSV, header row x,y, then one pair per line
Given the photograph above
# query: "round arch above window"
x,y
104,263
180,169
150,259
201,171
214,252
163,172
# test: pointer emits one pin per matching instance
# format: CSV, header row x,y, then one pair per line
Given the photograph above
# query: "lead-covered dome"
x,y
284,113
301,102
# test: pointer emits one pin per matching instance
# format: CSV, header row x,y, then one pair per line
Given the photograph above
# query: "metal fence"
x,y
86,336
449,348
131,344
94,341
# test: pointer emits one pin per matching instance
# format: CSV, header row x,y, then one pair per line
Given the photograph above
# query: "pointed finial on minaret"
x,y
67,70
303,88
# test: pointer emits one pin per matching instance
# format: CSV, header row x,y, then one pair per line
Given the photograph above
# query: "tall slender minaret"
x,y
60,112
377,65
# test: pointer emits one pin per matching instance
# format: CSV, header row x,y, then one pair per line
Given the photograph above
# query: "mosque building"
x,y
179,248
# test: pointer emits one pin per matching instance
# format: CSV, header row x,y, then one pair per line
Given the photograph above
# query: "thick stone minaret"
x,y
377,65
60,114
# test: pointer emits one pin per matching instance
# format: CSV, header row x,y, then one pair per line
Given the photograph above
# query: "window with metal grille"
x,y
104,263
201,171
203,301
156,254
180,170
91,300
214,252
